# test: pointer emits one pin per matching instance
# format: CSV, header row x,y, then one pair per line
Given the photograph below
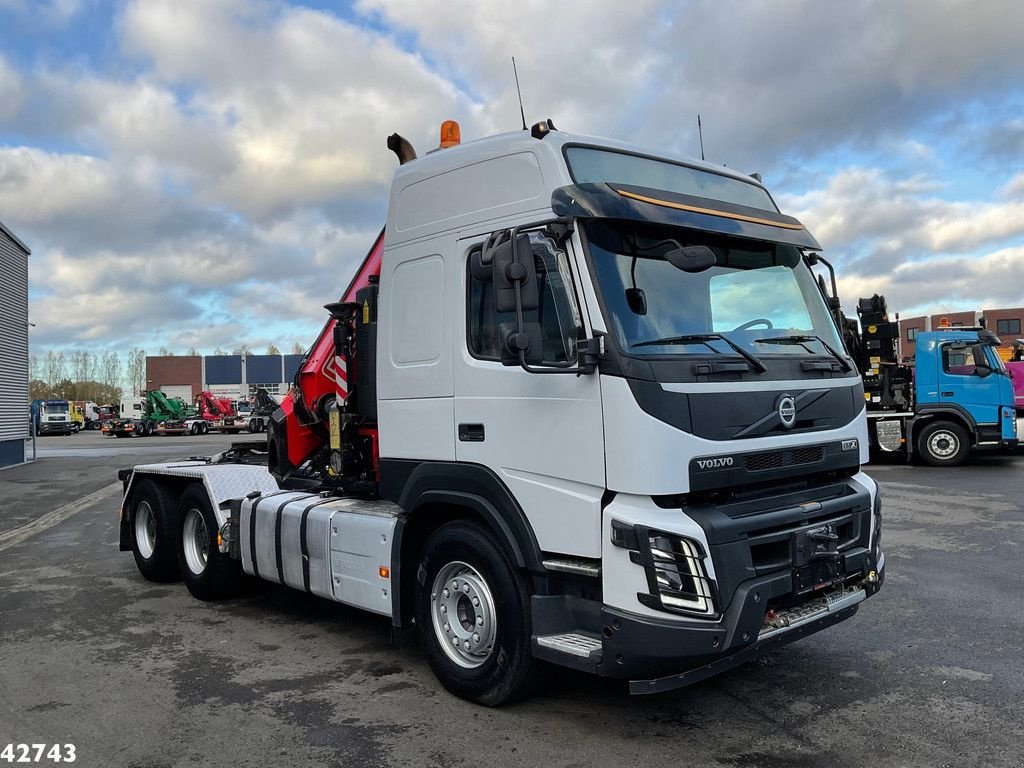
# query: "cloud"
x,y
52,12
302,100
213,173
11,93
897,237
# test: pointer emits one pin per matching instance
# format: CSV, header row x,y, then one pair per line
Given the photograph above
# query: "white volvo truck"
x,y
589,407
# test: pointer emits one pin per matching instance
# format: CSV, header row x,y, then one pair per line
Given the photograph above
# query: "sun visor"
x,y
632,203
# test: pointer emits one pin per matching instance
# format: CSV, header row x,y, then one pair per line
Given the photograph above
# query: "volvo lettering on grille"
x,y
722,461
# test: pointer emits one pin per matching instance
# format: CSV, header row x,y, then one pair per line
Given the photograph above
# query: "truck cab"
x,y
961,383
589,407
53,417
709,414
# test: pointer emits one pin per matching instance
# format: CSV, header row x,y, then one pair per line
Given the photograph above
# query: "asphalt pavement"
x,y
930,672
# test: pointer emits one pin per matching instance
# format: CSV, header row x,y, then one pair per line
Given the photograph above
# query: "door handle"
x,y
471,433
946,394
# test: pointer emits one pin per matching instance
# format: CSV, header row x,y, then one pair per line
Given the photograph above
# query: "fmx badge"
x,y
787,411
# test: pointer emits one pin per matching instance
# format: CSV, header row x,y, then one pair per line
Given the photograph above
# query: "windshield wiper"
x,y
801,340
704,338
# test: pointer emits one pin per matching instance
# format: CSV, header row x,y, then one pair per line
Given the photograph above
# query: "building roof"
x,y
15,238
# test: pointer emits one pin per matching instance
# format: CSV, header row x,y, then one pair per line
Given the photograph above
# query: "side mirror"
x,y
636,300
691,258
480,270
511,267
982,371
529,340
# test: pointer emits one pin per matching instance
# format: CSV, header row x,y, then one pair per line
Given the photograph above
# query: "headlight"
x,y
676,578
876,538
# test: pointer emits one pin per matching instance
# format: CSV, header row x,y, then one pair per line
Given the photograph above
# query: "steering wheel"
x,y
751,323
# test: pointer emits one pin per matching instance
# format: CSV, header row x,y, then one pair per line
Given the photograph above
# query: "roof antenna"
x,y
521,112
700,134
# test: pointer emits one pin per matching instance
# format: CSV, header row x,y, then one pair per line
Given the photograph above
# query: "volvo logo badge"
x,y
787,411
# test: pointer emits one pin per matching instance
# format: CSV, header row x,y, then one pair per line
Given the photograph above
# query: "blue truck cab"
x,y
955,397
963,394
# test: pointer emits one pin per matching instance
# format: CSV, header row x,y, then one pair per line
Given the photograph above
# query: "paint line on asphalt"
x,y
55,517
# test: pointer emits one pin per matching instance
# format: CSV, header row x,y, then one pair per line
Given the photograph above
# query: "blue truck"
x,y
51,417
956,396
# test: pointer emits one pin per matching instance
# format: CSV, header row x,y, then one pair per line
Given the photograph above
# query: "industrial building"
x,y
233,376
14,419
1007,324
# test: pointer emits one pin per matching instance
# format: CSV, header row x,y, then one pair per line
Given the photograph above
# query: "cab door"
x,y
541,434
967,379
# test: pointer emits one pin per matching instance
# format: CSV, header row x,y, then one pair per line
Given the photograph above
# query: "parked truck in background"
x,y
51,417
77,417
1015,365
956,396
90,411
582,403
153,413
258,410
218,414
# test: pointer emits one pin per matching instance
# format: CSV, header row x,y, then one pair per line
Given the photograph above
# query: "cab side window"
x,y
959,360
557,314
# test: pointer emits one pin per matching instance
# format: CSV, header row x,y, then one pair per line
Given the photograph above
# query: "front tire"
x,y
155,531
472,613
208,573
943,444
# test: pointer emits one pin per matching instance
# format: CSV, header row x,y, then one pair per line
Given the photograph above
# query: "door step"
x,y
573,644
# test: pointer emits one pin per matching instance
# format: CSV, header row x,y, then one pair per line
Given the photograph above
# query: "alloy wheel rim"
x,y
463,614
196,541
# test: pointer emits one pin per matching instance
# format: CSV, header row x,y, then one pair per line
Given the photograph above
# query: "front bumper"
x,y
659,654
54,428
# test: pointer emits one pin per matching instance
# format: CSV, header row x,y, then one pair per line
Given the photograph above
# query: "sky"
x,y
208,173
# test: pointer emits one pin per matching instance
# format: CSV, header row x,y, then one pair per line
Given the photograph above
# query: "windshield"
x,y
55,409
760,297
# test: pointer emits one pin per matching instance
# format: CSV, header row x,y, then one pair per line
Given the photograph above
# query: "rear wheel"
x,y
252,425
472,615
155,531
208,573
943,444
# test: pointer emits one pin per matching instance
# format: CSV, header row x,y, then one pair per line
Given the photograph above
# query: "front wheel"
x,y
472,613
208,573
943,444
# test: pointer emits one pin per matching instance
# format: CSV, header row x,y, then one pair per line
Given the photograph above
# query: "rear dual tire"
x,y
155,532
208,573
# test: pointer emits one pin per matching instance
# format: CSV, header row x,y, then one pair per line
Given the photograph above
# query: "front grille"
x,y
790,457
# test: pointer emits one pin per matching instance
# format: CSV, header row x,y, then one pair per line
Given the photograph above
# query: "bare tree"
x,y
219,352
137,370
298,349
82,366
54,368
272,349
110,371
192,352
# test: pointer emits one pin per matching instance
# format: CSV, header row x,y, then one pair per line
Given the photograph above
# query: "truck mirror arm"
x,y
559,229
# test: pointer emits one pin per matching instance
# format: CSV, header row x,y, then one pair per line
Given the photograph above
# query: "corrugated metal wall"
x,y
13,340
